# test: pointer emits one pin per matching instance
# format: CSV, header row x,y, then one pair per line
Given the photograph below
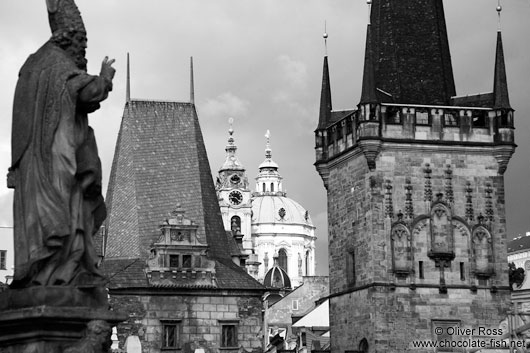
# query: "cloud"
x,y
294,72
224,106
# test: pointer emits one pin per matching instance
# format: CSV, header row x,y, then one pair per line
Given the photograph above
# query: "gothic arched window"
x,y
282,259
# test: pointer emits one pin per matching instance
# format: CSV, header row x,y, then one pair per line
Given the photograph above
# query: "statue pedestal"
x,y
51,319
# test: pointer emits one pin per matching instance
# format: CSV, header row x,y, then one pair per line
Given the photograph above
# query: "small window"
x,y
3,259
294,304
393,115
272,187
462,272
450,119
422,118
480,119
264,187
173,261
228,335
186,260
482,282
171,335
282,259
420,269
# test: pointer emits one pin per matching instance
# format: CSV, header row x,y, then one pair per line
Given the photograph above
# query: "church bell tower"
x,y
234,195
415,187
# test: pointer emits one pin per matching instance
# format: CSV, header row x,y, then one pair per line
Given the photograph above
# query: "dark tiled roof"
x,y
368,92
519,244
483,100
325,98
500,84
160,161
339,115
411,51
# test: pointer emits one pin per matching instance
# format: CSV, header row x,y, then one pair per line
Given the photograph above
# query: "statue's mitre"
x,y
64,15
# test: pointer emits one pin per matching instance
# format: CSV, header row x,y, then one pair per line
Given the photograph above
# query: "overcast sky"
x,y
260,62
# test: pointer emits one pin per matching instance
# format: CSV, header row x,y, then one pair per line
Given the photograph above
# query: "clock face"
x,y
235,197
235,179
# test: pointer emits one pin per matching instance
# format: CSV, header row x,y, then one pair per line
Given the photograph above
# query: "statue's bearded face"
x,y
77,49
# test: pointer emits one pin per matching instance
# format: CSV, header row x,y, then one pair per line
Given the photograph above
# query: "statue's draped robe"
x,y
58,206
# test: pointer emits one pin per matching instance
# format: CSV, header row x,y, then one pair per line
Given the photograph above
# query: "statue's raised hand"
x,y
107,71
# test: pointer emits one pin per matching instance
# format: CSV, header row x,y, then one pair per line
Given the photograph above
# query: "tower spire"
x,y
128,84
192,87
325,95
368,94
231,162
500,83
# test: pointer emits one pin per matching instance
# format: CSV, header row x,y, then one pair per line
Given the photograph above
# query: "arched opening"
x,y
363,346
307,272
264,187
282,259
272,187
235,224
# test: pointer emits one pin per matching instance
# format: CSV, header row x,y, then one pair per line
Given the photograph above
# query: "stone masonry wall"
x,y
200,320
360,224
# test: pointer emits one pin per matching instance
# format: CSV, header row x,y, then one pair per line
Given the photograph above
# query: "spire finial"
x,y
230,123
192,87
268,151
128,83
325,35
369,3
499,10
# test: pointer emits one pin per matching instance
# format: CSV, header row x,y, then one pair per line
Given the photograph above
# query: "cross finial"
x,y
231,129
268,151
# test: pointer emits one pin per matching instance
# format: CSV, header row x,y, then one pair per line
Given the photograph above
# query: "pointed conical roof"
x,y
368,94
500,84
411,51
325,98
160,160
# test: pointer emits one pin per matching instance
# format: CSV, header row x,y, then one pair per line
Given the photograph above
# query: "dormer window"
x,y
176,235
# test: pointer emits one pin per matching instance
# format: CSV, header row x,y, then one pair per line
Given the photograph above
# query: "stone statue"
x,y
96,340
56,171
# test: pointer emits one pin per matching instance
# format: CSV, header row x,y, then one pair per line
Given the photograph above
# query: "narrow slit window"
x,y
462,272
420,270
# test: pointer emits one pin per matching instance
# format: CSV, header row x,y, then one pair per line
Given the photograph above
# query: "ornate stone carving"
x,y
409,206
489,203
389,206
401,250
427,171
469,202
449,184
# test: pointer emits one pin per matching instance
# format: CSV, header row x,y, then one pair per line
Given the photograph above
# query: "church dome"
x,y
279,209
276,277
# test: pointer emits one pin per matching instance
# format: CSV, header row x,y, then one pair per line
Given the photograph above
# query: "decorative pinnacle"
x,y
231,122
369,3
499,10
268,151
325,35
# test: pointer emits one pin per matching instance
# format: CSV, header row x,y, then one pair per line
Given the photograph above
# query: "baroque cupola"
x,y
269,180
